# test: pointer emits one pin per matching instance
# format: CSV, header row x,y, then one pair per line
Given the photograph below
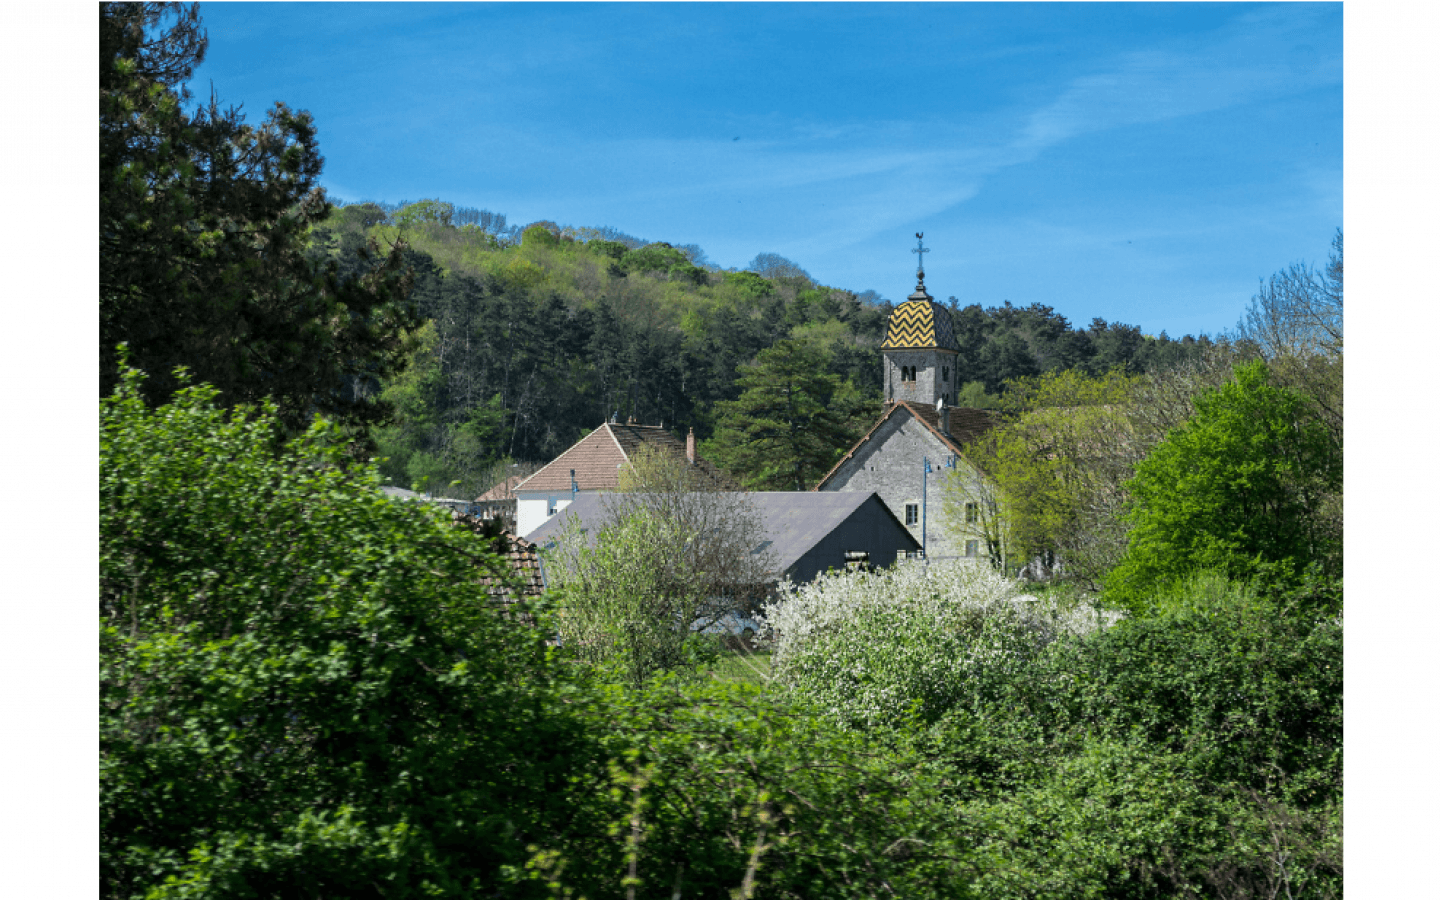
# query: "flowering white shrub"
x,y
878,647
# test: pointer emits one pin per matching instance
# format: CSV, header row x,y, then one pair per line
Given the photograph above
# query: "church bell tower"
x,y
920,349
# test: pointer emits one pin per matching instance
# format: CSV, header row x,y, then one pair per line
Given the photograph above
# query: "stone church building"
x,y
916,448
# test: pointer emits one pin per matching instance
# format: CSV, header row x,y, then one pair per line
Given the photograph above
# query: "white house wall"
x,y
532,508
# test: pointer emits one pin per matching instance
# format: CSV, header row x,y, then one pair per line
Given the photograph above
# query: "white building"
x,y
592,466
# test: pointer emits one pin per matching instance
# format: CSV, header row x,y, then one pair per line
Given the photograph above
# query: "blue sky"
x,y
1145,163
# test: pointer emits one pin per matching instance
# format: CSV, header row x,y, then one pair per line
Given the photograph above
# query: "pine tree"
x,y
790,423
204,224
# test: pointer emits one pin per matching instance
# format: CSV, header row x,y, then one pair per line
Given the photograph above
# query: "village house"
x,y
592,466
499,503
804,533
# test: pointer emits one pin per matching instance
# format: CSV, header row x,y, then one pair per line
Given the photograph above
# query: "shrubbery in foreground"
x,y
880,648
1195,752
305,691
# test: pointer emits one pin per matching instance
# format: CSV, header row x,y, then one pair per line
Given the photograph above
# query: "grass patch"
x,y
749,666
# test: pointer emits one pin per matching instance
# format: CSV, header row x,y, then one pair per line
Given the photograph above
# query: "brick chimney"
x,y
690,446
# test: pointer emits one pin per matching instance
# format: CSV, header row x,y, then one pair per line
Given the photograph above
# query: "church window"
x,y
945,373
907,373
972,513
912,514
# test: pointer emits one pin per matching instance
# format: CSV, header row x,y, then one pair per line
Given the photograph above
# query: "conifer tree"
x,y
204,223
791,422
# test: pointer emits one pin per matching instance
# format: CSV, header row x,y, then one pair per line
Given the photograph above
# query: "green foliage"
x,y
359,216
1248,689
1239,488
754,285
620,610
204,226
973,395
423,449
574,325
540,235
1100,824
663,259
424,212
613,249
724,792
1194,753
1055,468
305,691
304,688
790,424
674,554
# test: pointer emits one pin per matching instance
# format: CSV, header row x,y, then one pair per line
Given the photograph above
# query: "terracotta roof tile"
x,y
516,551
504,490
966,424
597,457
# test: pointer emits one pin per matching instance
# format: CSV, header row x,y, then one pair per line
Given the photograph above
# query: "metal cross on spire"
x,y
920,251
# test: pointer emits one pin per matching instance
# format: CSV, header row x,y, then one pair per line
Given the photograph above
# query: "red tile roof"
x,y
966,424
597,457
504,490
518,553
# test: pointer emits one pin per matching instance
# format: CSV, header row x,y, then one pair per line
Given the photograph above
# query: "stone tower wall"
x,y
932,381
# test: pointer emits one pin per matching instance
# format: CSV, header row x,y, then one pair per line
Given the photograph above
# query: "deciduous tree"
x,y
677,551
1240,488
305,689
1053,473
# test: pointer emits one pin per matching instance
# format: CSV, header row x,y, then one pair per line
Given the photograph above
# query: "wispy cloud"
x,y
1262,56
1069,141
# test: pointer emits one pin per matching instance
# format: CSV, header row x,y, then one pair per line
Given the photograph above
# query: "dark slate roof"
x,y
798,520
966,424
794,521
597,457
398,493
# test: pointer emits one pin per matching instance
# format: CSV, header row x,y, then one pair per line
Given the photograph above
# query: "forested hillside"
x,y
309,689
533,336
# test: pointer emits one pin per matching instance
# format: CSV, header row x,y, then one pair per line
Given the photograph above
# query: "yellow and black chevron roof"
x,y
920,325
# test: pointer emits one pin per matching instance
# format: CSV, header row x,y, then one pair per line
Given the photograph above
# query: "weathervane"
x,y
920,251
